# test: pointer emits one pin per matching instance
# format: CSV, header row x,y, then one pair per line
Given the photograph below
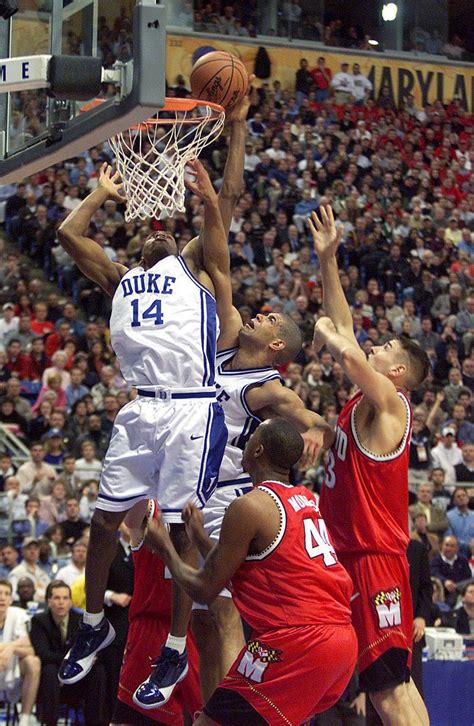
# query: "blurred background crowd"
x,y
401,183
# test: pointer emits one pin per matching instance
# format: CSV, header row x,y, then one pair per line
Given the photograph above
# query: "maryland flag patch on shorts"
x,y
264,652
387,607
256,659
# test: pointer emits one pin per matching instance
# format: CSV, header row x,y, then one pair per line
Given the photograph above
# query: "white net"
x,y
152,157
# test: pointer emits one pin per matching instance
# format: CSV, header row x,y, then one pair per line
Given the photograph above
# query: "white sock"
x,y
179,644
93,618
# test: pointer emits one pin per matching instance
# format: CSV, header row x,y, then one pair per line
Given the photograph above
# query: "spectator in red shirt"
x,y
57,340
40,325
322,77
38,361
17,362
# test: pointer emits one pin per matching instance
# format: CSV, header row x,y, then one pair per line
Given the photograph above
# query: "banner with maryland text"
x,y
427,81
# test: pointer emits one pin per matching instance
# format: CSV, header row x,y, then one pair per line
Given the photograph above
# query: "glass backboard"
x,y
33,123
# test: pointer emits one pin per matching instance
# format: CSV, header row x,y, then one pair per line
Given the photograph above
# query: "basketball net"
x,y
152,156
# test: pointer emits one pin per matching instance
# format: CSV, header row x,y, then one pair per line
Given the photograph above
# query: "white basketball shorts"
x,y
168,449
214,512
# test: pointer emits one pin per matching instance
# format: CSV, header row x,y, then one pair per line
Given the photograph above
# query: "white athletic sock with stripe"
x,y
179,644
93,618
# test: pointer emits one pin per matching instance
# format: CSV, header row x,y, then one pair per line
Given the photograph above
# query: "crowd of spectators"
x,y
296,19
401,183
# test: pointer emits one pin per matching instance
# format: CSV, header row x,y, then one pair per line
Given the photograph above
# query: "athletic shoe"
x,y
80,659
168,670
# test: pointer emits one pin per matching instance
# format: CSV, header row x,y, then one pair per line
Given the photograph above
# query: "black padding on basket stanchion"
x,y
75,78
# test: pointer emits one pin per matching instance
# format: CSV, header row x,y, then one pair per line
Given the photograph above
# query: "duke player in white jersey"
x,y
169,441
250,391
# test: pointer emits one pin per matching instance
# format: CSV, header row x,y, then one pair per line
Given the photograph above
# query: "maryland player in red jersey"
x,y
287,584
149,622
365,496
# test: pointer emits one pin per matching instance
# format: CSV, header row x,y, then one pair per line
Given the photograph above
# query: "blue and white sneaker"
x,y
168,670
80,658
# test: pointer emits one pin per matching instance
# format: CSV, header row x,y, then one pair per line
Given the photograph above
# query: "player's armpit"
x,y
230,324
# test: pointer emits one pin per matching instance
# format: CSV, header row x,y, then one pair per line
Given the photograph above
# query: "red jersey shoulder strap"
x,y
270,490
400,448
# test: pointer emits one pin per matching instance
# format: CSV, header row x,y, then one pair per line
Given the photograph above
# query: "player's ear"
x,y
258,451
398,370
278,345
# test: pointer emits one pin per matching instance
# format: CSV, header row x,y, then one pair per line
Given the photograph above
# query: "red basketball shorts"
x,y
290,674
382,611
146,635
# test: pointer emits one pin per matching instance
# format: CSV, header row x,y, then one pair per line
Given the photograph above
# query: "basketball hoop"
x,y
151,157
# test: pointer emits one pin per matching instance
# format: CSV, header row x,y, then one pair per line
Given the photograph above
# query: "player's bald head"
x,y
276,444
158,246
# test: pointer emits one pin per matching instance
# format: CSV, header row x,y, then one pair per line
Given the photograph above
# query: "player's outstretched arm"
x,y
378,388
326,240
272,399
233,178
88,256
203,586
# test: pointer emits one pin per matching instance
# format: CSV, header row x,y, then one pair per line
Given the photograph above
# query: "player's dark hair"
x,y
282,443
418,362
291,335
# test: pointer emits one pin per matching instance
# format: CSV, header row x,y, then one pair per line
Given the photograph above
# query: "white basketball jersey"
x,y
241,422
164,327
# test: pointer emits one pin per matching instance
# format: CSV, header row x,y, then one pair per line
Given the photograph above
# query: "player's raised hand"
x,y
202,185
326,237
194,522
239,112
111,182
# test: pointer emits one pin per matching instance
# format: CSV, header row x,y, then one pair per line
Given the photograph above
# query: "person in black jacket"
x,y
462,618
51,635
422,593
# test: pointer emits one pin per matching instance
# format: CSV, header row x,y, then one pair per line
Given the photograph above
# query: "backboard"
x,y
37,130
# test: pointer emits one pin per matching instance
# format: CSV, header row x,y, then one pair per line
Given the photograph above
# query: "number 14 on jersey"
x,y
153,312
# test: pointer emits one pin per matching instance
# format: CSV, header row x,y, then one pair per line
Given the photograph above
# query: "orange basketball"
x,y
219,77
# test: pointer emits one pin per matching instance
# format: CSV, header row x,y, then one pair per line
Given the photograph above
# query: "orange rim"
x,y
171,104
179,104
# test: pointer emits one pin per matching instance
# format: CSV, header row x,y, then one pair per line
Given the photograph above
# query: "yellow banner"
x,y
428,82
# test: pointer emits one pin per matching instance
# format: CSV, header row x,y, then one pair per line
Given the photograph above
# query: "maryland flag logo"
x,y
264,652
387,607
256,660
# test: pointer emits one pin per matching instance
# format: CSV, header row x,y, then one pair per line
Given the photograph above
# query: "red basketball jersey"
x,y
297,580
365,496
151,587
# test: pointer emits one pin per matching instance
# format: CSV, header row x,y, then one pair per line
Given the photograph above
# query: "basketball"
x,y
219,77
